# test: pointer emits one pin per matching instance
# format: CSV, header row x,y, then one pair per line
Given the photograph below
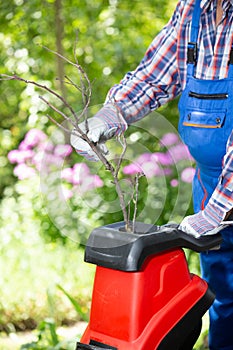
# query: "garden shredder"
x,y
144,296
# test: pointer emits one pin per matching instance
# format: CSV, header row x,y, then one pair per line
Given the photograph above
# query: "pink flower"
x,y
51,159
188,174
90,182
63,150
149,164
151,169
179,152
81,167
162,158
13,156
169,139
34,137
67,193
145,157
22,171
97,181
80,172
174,183
44,161
67,174
37,160
23,146
132,169
45,146
18,156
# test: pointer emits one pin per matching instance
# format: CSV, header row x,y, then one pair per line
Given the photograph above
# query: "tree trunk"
x,y
59,30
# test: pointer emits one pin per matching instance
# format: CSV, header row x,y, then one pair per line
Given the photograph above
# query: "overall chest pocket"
x,y
198,119
205,135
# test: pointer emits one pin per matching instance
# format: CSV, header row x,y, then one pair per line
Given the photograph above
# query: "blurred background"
x,y
50,199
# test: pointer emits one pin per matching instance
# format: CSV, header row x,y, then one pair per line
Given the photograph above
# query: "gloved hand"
x,y
204,221
107,123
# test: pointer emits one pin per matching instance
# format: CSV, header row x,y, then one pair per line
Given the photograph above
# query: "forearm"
x,y
222,196
220,204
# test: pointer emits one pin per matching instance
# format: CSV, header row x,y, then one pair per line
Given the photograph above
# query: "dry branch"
x,y
135,199
86,91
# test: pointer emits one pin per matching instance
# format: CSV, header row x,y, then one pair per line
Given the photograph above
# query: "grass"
x,y
70,335
31,269
30,275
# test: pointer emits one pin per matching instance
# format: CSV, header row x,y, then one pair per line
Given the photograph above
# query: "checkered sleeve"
x,y
156,79
222,197
220,203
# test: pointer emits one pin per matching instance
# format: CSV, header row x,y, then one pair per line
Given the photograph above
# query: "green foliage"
x,y
111,41
34,269
47,330
74,302
47,338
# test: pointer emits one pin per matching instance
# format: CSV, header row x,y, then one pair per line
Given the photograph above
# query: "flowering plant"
x,y
88,189
163,163
36,152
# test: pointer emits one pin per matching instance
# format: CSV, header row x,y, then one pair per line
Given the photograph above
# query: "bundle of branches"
x,y
85,89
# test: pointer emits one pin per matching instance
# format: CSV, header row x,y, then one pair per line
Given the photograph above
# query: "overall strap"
x,y
192,45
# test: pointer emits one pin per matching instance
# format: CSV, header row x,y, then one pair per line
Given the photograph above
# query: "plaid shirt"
x,y
161,75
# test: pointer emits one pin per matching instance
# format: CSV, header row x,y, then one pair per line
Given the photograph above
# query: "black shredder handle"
x,y
108,246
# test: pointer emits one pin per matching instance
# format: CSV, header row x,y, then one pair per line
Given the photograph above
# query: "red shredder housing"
x,y
143,303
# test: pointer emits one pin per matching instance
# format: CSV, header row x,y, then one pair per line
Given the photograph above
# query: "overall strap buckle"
x,y
192,53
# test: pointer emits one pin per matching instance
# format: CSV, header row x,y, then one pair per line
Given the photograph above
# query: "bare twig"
x,y
50,105
86,91
86,97
120,193
77,130
43,87
76,65
122,140
58,124
128,217
135,200
70,81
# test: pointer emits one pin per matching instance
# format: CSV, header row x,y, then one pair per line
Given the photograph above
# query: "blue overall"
x,y
206,122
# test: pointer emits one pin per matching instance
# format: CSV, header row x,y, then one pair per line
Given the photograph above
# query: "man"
x,y
191,56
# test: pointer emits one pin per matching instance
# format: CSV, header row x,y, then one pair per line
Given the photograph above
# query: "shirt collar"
x,y
205,3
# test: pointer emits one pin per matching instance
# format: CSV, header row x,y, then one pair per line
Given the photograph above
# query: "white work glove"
x,y
204,221
107,123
